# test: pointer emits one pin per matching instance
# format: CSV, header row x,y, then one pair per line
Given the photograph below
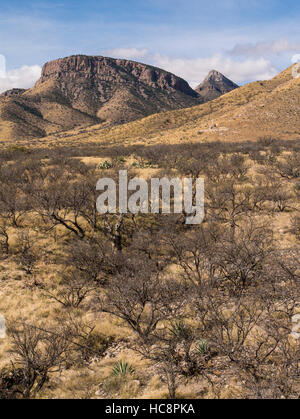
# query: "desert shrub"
x,y
289,168
74,288
140,295
90,258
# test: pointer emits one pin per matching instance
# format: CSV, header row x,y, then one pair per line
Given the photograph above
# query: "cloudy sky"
x,y
245,39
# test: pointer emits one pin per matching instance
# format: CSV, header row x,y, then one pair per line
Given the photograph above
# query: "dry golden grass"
x,y
269,108
253,111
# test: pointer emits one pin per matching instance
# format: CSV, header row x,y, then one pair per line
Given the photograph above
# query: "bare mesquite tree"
x,y
26,253
61,203
139,294
37,353
92,258
13,199
74,288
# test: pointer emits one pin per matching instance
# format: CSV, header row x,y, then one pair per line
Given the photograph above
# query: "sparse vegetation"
x,y
143,305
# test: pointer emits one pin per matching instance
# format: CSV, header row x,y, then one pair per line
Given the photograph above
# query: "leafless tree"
x,y
61,203
240,261
37,354
26,253
228,203
73,289
92,258
141,296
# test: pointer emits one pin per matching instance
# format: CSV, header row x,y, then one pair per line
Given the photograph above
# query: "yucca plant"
x,y
105,165
180,329
122,368
202,347
121,159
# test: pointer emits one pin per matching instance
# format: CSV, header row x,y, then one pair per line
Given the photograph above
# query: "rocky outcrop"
x,y
105,70
13,92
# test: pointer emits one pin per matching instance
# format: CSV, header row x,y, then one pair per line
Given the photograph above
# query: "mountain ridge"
x,y
81,91
260,109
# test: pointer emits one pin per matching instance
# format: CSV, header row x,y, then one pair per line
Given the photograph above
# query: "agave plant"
x,y
122,368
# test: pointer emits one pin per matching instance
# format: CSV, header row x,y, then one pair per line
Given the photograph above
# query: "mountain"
x,y
259,109
83,91
214,86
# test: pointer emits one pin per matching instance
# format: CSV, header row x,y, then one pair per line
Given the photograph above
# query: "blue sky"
x,y
245,39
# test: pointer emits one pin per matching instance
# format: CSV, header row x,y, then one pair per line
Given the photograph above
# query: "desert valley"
x,y
142,305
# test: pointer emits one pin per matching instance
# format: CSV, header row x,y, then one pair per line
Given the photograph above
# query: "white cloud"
x,y
265,48
195,70
23,78
296,58
127,53
2,66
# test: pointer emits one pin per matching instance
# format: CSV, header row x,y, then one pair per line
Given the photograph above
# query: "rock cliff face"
x,y
105,70
215,85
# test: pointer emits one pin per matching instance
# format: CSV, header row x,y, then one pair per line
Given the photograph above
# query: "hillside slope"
x,y
259,109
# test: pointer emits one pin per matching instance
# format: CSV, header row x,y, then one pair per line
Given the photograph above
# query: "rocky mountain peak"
x,y
104,69
214,85
115,90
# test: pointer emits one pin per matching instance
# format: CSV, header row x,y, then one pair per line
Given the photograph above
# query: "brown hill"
x,y
214,86
82,91
259,109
